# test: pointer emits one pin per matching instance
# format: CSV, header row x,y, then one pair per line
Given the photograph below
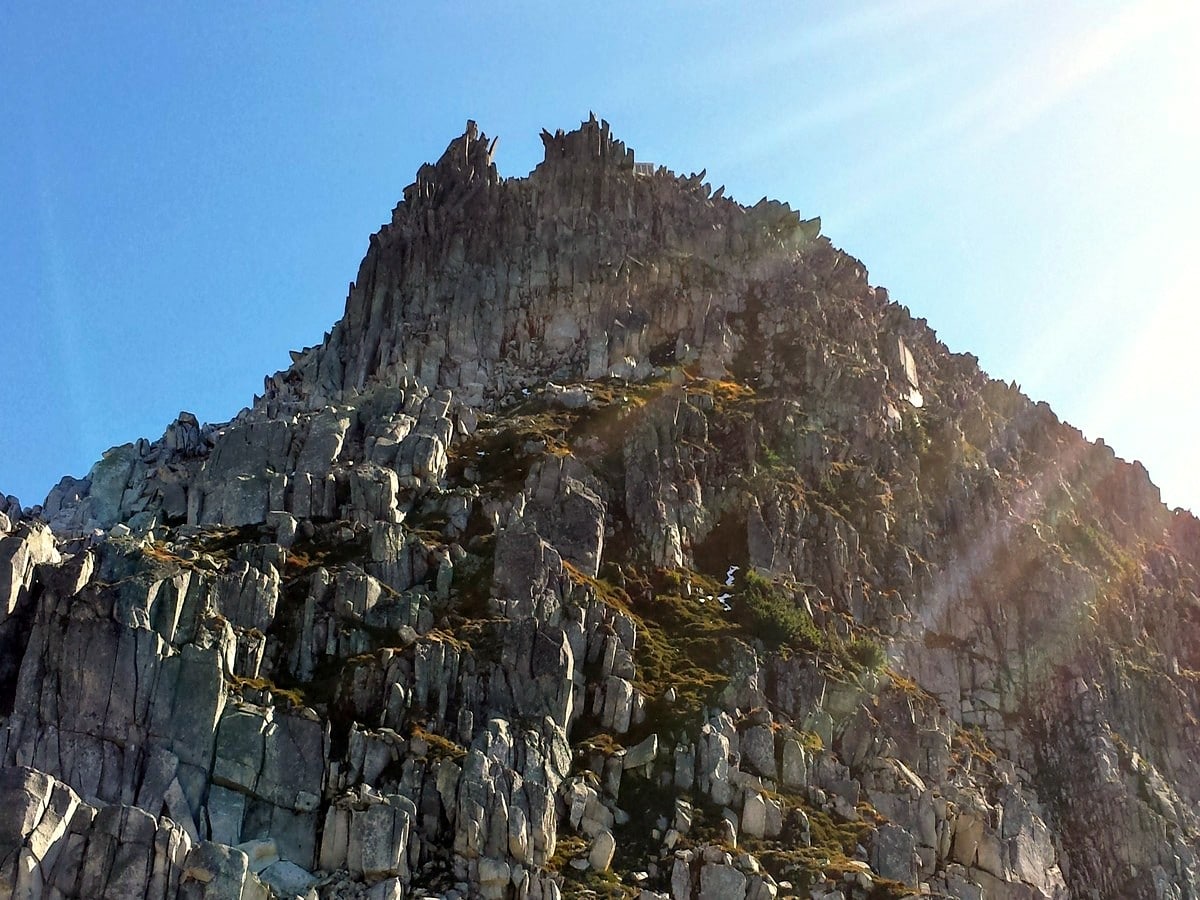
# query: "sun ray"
x,y
1040,79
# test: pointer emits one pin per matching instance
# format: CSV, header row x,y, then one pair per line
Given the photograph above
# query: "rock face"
x,y
619,538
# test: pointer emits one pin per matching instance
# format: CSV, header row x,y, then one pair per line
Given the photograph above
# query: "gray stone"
x,y
226,810
721,882
894,853
601,854
758,750
287,879
642,753
754,816
109,478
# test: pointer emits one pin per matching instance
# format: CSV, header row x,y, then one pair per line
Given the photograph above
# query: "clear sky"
x,y
186,189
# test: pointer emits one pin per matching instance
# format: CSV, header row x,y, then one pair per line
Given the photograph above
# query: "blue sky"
x,y
185,193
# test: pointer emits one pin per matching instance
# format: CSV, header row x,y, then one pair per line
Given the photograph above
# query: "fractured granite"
x,y
619,535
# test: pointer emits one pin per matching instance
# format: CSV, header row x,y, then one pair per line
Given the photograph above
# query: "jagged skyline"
x,y
619,539
200,189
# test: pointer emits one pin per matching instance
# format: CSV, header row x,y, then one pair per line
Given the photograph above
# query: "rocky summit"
x,y
620,540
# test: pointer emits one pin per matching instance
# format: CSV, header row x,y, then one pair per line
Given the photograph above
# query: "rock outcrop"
x,y
619,540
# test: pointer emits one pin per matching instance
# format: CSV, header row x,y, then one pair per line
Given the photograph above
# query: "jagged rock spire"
x,y
486,285
591,143
465,167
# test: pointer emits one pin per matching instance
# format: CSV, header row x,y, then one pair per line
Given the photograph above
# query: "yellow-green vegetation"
x,y
298,563
222,541
592,885
678,640
326,548
914,432
707,824
771,614
724,393
1092,547
601,431
852,648
601,589
810,741
502,454
505,447
159,552
886,889
439,747
833,844
906,684
602,742
614,392
830,854
680,648
866,653
292,696
566,848
589,883
970,744
771,458
684,643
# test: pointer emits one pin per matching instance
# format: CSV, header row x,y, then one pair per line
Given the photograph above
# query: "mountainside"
x,y
619,540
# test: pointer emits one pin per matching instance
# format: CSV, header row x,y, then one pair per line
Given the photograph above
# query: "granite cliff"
x,y
619,540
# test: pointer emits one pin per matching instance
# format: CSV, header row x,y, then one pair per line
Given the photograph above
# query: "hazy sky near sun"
x,y
186,189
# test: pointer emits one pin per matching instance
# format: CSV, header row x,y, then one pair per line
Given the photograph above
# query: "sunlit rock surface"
x,y
622,539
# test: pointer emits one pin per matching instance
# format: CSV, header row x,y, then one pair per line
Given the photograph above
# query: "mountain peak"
x,y
615,524
486,285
